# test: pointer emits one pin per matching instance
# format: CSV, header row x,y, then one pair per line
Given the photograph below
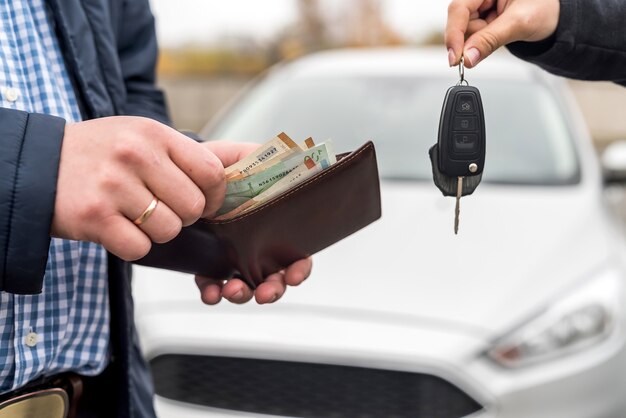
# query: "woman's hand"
x,y
476,28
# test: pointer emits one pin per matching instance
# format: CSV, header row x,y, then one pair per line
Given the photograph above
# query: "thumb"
x,y
230,152
484,42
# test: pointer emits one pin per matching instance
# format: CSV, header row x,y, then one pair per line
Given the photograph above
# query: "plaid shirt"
x,y
66,327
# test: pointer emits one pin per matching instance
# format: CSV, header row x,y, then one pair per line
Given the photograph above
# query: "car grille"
x,y
306,390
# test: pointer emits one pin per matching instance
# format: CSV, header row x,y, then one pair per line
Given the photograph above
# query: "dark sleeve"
x,y
29,161
589,43
138,53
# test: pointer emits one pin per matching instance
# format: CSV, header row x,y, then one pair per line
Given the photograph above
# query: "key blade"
x,y
457,212
457,209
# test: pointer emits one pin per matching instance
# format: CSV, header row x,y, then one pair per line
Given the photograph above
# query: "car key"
x,y
460,150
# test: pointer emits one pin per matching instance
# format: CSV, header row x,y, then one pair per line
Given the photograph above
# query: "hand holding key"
x,y
476,28
459,157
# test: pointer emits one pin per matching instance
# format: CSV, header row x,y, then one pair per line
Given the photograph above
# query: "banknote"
x,y
283,177
279,146
309,143
239,190
294,178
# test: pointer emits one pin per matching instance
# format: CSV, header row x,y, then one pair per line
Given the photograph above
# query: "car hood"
x,y
518,249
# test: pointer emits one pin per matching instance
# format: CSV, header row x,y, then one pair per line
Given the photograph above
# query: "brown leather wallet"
x,y
300,222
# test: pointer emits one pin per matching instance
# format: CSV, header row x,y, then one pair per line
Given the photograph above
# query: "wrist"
x,y
553,14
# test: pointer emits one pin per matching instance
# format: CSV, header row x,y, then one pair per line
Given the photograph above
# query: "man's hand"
x,y
235,290
272,289
490,24
112,168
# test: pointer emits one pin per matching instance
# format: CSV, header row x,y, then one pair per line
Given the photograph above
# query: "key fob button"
x,y
466,103
464,123
465,142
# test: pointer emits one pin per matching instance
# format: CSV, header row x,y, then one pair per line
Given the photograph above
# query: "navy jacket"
x,y
110,50
589,42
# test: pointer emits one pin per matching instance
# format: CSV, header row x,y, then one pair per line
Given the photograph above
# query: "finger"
x,y
475,26
487,4
236,291
162,225
459,12
502,5
231,152
174,188
272,289
298,272
122,238
491,17
484,42
210,289
202,167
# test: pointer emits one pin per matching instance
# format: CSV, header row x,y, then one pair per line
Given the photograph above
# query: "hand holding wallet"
x,y
296,224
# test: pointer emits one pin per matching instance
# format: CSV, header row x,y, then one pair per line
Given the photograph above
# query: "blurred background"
x,y
522,315
210,48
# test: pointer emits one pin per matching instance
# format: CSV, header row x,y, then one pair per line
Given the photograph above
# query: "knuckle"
x,y
147,127
129,151
169,232
92,210
215,186
138,250
215,172
197,208
121,240
454,6
142,145
194,210
111,181
519,22
524,22
490,41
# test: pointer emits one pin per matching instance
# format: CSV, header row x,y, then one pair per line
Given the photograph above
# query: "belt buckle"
x,y
50,403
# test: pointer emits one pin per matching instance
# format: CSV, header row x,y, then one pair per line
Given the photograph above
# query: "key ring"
x,y
462,72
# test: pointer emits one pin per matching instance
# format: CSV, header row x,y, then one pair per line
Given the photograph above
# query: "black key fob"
x,y
458,158
461,143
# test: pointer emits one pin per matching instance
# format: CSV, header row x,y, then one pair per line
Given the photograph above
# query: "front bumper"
x,y
589,384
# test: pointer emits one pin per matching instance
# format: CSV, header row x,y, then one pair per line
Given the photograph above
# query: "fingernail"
x,y
274,298
451,57
238,295
473,56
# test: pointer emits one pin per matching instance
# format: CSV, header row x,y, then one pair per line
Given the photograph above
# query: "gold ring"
x,y
146,213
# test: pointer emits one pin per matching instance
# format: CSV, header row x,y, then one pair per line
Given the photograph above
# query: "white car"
x,y
520,315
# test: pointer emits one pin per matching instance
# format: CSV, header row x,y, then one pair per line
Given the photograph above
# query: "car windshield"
x,y
527,138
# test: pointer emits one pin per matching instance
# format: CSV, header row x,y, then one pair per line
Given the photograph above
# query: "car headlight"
x,y
583,317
